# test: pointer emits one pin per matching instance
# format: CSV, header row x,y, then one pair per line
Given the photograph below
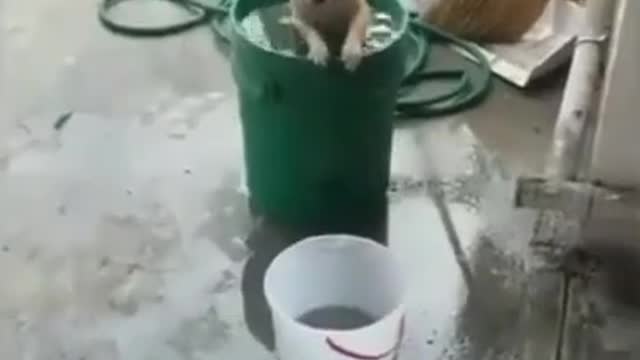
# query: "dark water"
x,y
337,318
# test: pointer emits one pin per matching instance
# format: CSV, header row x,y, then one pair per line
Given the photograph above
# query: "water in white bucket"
x,y
336,297
337,318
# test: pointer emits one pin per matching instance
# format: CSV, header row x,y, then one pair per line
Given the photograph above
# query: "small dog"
x,y
332,27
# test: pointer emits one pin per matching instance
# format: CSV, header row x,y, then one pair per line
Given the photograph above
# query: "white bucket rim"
x,y
275,308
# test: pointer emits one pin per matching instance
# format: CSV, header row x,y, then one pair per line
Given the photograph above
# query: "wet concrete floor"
x,y
126,234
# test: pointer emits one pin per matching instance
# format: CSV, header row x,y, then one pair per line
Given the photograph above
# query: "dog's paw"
x,y
318,53
352,54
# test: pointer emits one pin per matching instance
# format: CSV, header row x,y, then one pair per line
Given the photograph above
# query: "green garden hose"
x,y
464,95
467,90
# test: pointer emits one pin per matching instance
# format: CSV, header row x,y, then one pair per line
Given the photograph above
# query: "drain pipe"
x,y
579,94
577,105
557,190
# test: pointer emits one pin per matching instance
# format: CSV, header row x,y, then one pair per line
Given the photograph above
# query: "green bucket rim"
x,y
236,26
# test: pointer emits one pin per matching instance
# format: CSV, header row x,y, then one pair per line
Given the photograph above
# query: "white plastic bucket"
x,y
336,270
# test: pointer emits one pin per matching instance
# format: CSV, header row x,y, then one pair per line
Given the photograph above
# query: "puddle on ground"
x,y
265,28
101,227
84,202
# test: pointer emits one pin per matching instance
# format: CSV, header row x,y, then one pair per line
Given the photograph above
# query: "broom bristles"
x,y
486,20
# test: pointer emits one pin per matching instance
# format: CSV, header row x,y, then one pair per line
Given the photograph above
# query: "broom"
x,y
493,21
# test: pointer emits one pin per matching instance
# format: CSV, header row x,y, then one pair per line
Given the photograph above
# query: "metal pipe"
x,y
584,76
568,144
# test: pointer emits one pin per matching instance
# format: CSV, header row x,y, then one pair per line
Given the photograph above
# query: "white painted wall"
x,y
616,157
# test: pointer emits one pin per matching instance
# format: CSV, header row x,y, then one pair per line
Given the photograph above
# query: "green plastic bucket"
x,y
317,140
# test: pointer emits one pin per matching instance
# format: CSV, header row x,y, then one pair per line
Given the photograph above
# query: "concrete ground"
x,y
124,233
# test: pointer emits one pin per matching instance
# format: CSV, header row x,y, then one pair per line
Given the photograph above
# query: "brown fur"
x,y
329,17
486,20
341,25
